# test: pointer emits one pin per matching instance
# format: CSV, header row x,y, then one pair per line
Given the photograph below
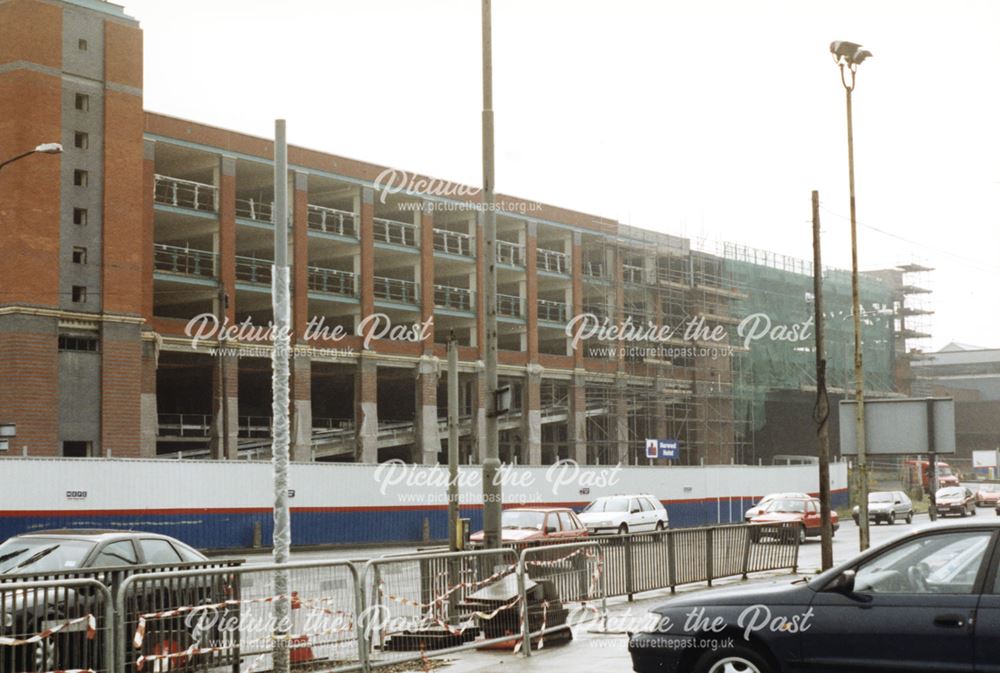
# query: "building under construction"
x,y
126,249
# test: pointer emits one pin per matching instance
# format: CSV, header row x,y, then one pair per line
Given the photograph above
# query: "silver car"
x,y
887,506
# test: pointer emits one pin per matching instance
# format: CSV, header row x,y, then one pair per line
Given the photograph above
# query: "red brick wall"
x,y
121,387
30,394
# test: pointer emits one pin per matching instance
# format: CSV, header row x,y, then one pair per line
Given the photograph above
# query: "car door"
x,y
811,519
986,644
635,522
913,608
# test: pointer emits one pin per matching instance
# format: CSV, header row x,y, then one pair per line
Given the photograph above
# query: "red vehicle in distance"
x,y
918,472
804,511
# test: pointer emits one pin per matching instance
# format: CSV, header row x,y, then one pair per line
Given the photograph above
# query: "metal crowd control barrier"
x,y
554,575
57,625
221,619
439,603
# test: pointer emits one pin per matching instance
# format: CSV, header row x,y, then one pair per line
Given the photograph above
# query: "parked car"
x,y
805,511
112,555
955,500
623,514
887,506
988,495
908,605
759,507
537,524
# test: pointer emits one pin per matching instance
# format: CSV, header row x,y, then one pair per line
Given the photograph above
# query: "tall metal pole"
x,y
453,444
279,405
859,375
491,457
822,412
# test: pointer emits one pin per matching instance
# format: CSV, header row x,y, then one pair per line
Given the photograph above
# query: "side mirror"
x,y
844,584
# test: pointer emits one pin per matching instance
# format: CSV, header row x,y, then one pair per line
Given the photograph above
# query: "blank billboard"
x,y
899,426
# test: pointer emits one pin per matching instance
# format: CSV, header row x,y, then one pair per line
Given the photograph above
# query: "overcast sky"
x,y
709,119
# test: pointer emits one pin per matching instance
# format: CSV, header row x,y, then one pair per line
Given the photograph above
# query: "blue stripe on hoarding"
x,y
233,529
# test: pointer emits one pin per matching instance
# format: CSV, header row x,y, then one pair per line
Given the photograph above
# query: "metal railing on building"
x,y
333,281
332,221
255,209
510,305
397,290
181,193
254,270
594,269
395,232
552,261
635,275
551,311
186,261
454,243
457,298
511,254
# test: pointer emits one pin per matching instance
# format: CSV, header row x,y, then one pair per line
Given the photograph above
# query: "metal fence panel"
x,y
56,626
222,619
439,603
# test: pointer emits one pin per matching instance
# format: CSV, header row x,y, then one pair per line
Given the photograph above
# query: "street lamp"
x,y
44,148
849,56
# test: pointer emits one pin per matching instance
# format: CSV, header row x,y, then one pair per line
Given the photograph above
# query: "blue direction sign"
x,y
662,448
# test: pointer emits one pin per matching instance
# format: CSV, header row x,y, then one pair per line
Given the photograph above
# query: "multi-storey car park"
x,y
146,222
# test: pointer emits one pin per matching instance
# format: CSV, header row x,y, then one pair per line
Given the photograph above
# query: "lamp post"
x,y
44,148
849,56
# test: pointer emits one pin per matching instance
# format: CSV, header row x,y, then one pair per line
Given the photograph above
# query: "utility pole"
x,y
224,447
453,530
822,410
282,537
491,458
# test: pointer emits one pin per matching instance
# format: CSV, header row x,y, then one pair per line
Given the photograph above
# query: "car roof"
x,y
92,534
538,509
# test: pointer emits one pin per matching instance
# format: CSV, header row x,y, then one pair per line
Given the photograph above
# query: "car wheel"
x,y
623,529
909,517
802,538
857,521
659,525
732,660
46,655
892,519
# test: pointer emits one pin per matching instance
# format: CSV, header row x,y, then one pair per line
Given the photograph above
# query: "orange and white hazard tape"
x,y
89,620
438,600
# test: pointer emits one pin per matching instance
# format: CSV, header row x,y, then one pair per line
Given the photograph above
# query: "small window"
x,y
120,553
158,552
79,294
78,343
79,255
82,102
81,140
76,449
80,216
81,44
80,178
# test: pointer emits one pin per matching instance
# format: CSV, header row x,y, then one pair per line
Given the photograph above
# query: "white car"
x,y
621,514
758,509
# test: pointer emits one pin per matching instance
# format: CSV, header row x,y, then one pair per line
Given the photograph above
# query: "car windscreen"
x,y
791,506
616,504
944,470
951,493
34,555
880,497
522,519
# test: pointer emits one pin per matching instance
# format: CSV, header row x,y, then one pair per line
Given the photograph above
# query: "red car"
x,y
529,524
988,495
955,500
803,510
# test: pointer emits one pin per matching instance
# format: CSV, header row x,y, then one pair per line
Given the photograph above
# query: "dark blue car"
x,y
929,601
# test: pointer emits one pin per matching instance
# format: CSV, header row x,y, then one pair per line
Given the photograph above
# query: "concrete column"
x,y
121,386
366,409
531,416
226,242
300,255
148,412
428,441
301,409
620,423
577,423
231,364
